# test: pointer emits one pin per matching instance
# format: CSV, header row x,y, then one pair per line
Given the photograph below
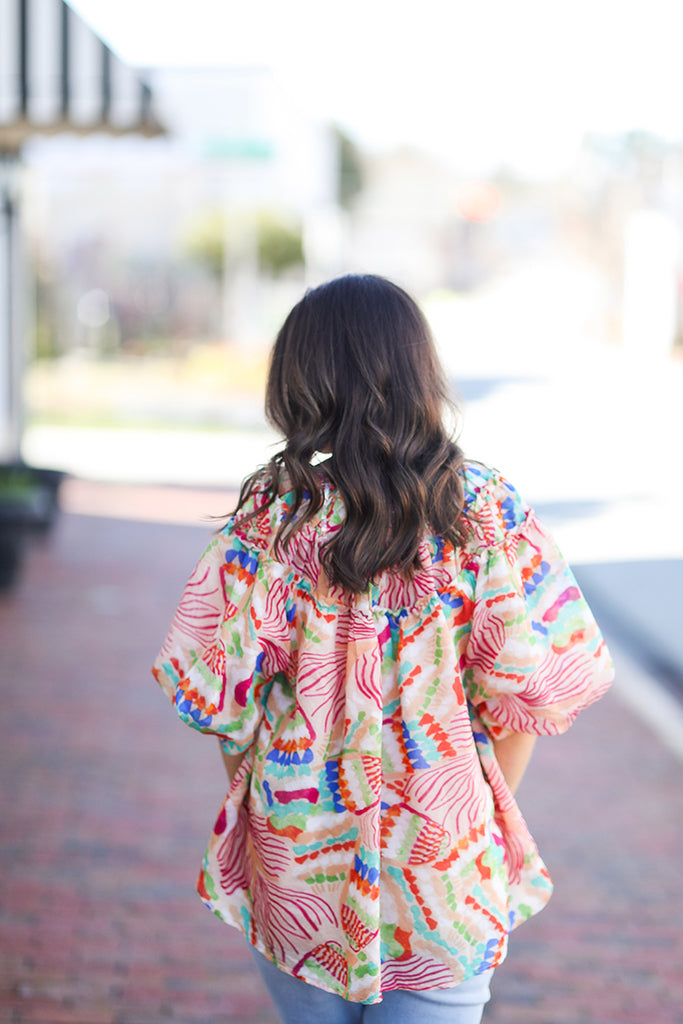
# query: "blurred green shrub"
x,y
279,244
277,239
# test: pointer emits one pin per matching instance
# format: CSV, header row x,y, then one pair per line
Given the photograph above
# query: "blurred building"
x,y
137,220
151,243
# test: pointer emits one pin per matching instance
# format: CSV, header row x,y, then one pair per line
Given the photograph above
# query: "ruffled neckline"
x,y
390,592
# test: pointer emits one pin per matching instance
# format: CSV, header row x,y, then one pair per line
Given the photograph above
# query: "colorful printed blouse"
x,y
369,840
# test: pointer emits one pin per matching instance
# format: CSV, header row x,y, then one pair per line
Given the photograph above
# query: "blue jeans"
x,y
299,1003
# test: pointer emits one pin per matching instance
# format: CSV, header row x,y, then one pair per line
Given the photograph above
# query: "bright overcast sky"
x,y
517,80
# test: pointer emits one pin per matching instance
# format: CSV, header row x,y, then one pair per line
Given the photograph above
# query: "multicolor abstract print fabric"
x,y
369,840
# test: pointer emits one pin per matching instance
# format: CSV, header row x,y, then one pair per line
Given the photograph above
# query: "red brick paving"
x,y
107,802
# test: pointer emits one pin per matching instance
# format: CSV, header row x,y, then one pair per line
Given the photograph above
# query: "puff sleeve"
x,y
228,639
534,656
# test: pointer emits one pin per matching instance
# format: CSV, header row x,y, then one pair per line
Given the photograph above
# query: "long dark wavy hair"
x,y
354,373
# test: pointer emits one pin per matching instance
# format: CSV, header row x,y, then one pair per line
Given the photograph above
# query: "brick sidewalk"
x,y
111,800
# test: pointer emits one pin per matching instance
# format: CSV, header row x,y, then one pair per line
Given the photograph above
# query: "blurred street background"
x,y
172,178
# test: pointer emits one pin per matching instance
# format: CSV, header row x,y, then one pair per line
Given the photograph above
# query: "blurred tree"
x,y
205,241
631,152
279,244
46,344
350,170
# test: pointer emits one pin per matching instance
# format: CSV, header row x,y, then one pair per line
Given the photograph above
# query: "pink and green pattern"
x,y
369,840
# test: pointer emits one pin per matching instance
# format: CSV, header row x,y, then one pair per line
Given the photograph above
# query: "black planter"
x,y
14,530
28,505
45,504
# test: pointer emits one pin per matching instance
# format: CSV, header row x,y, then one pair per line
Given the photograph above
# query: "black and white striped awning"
x,y
57,75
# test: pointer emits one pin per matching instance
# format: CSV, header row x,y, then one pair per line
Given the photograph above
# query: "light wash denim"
x,y
299,1003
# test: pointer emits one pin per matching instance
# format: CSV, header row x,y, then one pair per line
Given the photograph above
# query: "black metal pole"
x,y
64,84
106,83
23,57
145,103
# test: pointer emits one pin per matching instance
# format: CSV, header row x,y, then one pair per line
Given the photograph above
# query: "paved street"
x,y
107,801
